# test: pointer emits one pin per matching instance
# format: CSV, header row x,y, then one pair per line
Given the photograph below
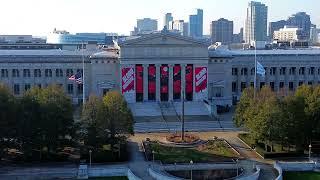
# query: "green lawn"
x,y
211,152
301,176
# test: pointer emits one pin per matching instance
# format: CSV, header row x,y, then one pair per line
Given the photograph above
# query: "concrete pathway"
x,y
138,164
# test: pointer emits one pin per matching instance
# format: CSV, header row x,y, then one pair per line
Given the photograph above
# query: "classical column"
x,y
170,82
158,82
183,79
145,82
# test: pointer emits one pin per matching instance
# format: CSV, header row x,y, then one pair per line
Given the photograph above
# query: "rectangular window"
x,y
311,71
26,73
292,71
252,84
282,71
243,86
48,73
4,73
37,73
272,71
15,73
70,88
39,86
262,84
300,83
16,89
310,83
234,71
301,70
291,86
80,89
281,85
69,72
27,87
272,86
234,86
59,73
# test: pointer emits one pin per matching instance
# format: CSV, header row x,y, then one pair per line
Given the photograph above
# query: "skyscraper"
x,y
221,31
147,25
256,22
167,18
179,26
300,20
275,26
196,24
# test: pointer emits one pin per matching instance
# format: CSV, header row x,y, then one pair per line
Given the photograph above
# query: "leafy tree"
x,y
242,106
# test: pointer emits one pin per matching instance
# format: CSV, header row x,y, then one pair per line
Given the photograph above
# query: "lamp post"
x,y
310,151
236,160
90,151
191,162
153,155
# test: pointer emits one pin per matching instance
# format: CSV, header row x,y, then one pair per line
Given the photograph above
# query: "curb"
x,y
250,147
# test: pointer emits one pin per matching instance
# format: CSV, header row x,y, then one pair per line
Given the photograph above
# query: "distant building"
x,y
145,26
300,20
314,33
196,24
289,34
167,18
179,26
256,22
222,31
275,26
238,38
64,37
21,39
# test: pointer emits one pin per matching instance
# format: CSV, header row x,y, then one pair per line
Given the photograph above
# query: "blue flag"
x,y
260,69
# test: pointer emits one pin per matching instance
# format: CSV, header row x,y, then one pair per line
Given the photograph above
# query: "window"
x,y
16,89
80,89
273,71
282,71
262,84
252,84
272,86
37,73
318,71
281,85
15,73
252,71
69,72
79,70
234,71
300,83
301,70
311,71
70,89
291,86
48,72
234,86
243,86
292,71
26,73
59,73
39,86
4,73
244,71
27,87
310,83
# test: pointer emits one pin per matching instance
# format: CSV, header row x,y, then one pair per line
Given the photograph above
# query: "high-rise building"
x,y
221,31
256,22
300,20
179,26
275,26
167,18
314,33
290,34
196,24
147,25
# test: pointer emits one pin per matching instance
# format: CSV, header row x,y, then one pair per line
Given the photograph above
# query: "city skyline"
x,y
41,17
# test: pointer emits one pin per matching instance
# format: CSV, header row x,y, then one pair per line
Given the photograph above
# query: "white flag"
x,y
260,69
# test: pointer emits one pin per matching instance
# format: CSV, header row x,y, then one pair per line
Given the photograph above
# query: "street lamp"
x,y
191,162
90,151
153,155
236,160
310,151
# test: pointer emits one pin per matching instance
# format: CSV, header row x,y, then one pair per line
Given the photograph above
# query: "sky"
x,y
40,17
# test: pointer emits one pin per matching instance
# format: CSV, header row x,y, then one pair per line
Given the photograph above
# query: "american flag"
x,y
76,77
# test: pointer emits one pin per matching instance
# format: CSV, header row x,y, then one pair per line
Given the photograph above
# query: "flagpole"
x,y
83,80
255,70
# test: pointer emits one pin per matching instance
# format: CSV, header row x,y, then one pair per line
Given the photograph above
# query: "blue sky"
x,y
39,17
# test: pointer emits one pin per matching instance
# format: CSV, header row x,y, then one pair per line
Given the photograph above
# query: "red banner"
x,y
139,79
127,79
201,77
152,79
177,79
189,79
164,78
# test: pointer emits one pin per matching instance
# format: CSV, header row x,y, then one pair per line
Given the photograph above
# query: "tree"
x,y
242,106
118,119
91,112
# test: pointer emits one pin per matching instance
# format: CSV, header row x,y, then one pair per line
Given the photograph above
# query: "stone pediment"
x,y
163,38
